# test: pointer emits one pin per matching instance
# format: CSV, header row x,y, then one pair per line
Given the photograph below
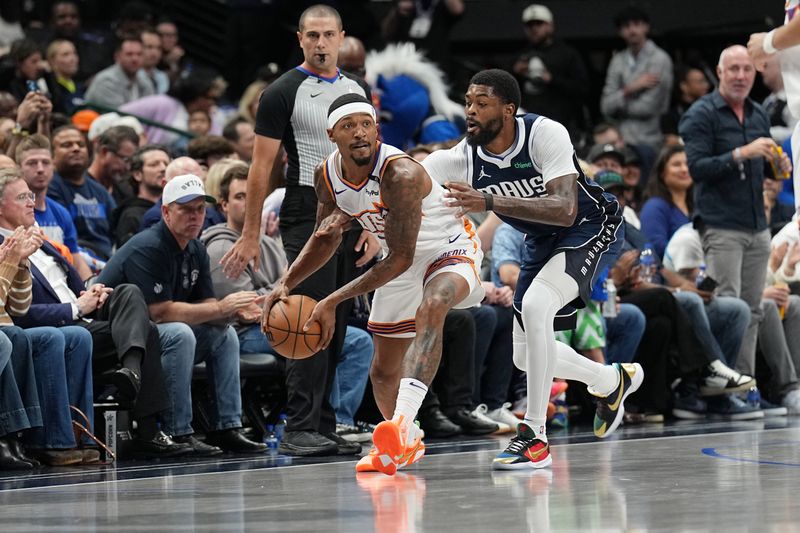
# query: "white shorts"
x,y
394,305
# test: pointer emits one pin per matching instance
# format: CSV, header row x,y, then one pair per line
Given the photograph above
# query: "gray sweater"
x,y
111,87
219,239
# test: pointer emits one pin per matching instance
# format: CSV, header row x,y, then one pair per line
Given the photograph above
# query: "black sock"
x,y
132,359
148,427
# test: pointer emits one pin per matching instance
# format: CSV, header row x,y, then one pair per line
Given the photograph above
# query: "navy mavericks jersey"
x,y
542,151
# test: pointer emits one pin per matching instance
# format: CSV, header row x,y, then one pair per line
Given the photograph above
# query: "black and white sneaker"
x,y
361,432
721,379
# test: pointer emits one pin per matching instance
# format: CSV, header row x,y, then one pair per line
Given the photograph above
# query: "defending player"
x,y
429,267
524,169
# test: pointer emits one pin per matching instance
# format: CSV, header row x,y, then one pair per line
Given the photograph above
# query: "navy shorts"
x,y
589,247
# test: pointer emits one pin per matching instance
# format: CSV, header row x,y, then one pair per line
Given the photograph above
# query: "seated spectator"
x,y
242,136
28,62
148,166
180,166
88,202
692,83
194,90
64,62
608,133
248,103
117,321
218,239
777,335
110,166
784,261
124,81
209,149
36,163
172,53
34,115
614,183
62,362
217,172
173,270
668,198
106,121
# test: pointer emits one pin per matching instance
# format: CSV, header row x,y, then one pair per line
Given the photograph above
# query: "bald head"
x,y
6,162
352,56
181,166
736,73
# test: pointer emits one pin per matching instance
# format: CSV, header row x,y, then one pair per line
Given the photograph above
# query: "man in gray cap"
x,y
550,73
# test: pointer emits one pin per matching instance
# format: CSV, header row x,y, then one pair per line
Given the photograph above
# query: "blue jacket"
x,y
46,309
727,194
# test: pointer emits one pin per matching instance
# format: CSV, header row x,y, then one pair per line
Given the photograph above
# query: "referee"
x,y
293,111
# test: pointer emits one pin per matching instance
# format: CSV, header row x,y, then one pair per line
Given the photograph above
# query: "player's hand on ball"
x,y
325,314
463,198
279,292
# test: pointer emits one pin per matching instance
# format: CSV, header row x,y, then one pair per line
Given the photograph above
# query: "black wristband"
x,y
489,199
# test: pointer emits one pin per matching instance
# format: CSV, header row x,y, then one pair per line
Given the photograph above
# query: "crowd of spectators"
x,y
123,184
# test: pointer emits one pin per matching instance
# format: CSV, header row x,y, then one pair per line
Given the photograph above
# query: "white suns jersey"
x,y
439,226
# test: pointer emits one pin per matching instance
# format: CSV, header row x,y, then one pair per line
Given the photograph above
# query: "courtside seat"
x,y
251,365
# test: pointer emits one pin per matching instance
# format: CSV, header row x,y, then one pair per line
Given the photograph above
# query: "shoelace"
x,y
518,443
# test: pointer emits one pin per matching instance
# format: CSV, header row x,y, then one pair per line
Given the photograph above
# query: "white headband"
x,y
350,109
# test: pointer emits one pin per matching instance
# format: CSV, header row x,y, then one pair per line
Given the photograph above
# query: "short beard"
x,y
362,161
154,190
486,134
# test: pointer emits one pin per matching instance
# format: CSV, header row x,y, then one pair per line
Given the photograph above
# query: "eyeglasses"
x,y
25,197
125,159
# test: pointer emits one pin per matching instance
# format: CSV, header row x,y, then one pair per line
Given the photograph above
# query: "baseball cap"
x,y
608,179
602,150
83,119
537,12
184,189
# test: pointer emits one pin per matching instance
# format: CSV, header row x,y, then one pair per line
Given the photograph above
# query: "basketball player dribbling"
x,y
430,266
524,169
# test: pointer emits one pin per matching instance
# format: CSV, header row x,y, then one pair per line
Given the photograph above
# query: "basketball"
x,y
285,327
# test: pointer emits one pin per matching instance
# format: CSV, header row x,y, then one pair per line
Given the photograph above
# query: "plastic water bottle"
x,y
610,303
701,276
754,397
647,259
271,440
280,428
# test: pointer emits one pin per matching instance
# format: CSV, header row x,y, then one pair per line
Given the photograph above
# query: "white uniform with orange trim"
x,y
444,244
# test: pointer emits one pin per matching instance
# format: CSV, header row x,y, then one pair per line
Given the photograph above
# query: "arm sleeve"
x,y
20,295
551,150
223,285
655,223
612,101
697,130
654,101
275,109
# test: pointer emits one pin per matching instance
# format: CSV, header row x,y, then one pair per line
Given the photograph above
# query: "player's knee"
x,y
433,308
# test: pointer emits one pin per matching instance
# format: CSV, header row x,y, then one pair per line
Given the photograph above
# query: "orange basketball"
x,y
285,327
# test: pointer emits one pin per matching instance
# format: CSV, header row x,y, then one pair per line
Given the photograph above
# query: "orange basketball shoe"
x,y
412,452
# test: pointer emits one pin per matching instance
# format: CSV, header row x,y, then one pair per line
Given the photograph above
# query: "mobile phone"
x,y
708,284
32,86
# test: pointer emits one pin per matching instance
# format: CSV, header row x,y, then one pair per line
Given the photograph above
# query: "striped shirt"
x,y
15,292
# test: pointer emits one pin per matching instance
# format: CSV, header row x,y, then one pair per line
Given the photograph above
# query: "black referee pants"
x,y
308,381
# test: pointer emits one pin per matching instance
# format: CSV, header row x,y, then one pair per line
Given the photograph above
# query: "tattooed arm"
x,y
331,223
558,208
403,186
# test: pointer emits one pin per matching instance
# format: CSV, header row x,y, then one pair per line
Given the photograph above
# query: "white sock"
x,y
600,379
409,399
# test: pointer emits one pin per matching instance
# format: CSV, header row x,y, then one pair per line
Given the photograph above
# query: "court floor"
x,y
711,476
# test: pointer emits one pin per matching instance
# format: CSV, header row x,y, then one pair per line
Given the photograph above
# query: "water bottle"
x,y
754,397
280,429
647,259
610,303
271,440
701,276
